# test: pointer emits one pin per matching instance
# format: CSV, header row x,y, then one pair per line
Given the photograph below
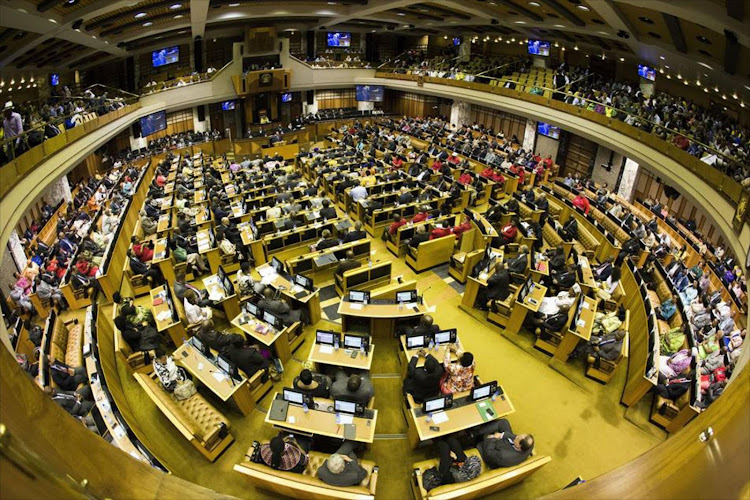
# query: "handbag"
x,y
431,479
180,254
184,390
467,470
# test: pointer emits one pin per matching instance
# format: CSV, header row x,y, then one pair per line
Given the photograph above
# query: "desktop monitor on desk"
x,y
227,366
304,282
359,296
415,341
202,347
296,397
484,391
408,296
439,403
277,265
327,337
272,320
253,309
446,336
356,342
350,407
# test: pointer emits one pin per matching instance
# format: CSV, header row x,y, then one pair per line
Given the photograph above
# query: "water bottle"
x,y
305,408
432,346
369,263
338,418
428,418
362,350
335,344
494,396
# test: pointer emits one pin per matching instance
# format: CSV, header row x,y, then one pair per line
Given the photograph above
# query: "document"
x,y
345,418
355,306
325,349
219,376
266,271
439,417
292,419
585,305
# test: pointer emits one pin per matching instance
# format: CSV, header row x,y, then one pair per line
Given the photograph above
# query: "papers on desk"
x,y
439,417
580,323
164,316
585,305
292,419
355,306
266,271
325,349
118,432
483,276
297,289
219,376
345,418
216,295
267,280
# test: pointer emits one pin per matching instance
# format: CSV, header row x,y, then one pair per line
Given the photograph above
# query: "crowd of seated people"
x,y
152,86
181,140
342,58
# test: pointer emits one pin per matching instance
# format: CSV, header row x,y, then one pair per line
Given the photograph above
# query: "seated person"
x,y
152,274
454,466
347,264
67,378
342,467
328,241
426,326
670,367
423,382
608,287
553,311
248,358
285,454
500,447
519,263
672,340
440,230
464,226
390,233
245,281
328,212
422,215
194,311
405,196
460,375
607,347
317,386
357,233
603,270
498,287
280,308
565,278
556,258
507,234
420,235
216,340
77,403
168,372
356,388
140,338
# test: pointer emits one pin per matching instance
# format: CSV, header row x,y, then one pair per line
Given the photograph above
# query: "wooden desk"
x,y
459,419
323,423
172,326
165,222
163,260
203,370
580,331
341,357
256,246
407,354
217,293
587,280
206,248
203,216
265,334
518,315
310,301
382,317
540,270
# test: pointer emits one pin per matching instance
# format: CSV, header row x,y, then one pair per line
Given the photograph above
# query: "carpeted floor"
x,y
575,420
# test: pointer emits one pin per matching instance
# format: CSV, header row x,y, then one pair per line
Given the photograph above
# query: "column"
x,y
647,87
539,62
365,105
58,191
460,113
16,251
629,177
464,50
529,135
302,45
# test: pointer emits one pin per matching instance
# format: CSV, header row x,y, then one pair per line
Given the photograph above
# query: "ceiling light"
x,y
685,82
705,65
603,57
2,84
679,76
748,88
236,4
742,104
175,6
698,83
78,30
31,79
400,14
559,25
705,89
23,11
583,7
734,95
12,81
669,77
520,22
140,15
716,89
575,48
662,57
666,66
622,59
148,23
373,31
34,85
563,49
534,4
724,96
52,20
445,37
93,36
178,16
28,86
603,33
513,39
661,70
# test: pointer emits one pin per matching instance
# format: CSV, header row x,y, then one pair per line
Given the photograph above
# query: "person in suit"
x,y
66,377
423,382
565,278
151,273
327,242
356,388
327,212
357,233
346,264
520,262
607,347
280,308
420,235
317,386
498,286
248,358
500,447
405,197
603,270
342,467
77,403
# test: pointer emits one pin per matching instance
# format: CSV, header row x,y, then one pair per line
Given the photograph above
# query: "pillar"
x,y
529,136
17,253
626,187
460,113
464,50
539,61
58,191
647,87
302,45
365,105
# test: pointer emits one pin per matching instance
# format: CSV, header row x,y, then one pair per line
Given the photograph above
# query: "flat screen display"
x,y
445,336
539,48
353,341
457,40
153,123
415,341
345,406
287,97
436,404
325,337
54,79
269,318
369,93
647,72
357,296
224,365
339,39
406,296
548,130
228,105
167,55
252,309
293,397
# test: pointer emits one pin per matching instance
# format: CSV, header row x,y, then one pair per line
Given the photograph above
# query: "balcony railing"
x,y
713,176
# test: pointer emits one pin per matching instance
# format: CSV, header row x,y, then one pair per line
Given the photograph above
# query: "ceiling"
x,y
700,39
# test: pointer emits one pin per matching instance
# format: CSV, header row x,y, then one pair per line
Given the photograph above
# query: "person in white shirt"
x,y
193,312
552,305
358,192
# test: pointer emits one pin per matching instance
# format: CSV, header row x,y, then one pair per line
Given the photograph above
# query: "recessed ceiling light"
x,y
520,22
534,4
178,16
559,25
236,4
705,65
666,66
373,31
52,20
182,32
603,33
148,23
583,7
400,14
622,59
748,88
662,58
140,15
175,6
23,11
575,48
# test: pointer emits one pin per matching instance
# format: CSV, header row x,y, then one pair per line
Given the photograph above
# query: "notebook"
x,y
279,409
350,431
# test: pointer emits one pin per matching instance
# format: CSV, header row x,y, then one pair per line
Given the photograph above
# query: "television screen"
x,y
370,93
153,123
457,41
339,39
54,79
548,130
539,48
286,97
162,57
227,105
646,72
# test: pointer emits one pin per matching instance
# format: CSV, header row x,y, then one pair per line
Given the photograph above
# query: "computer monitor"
x,y
277,265
326,337
227,366
439,403
359,296
200,345
349,407
484,391
356,342
296,397
252,309
271,319
304,282
407,296
446,337
415,341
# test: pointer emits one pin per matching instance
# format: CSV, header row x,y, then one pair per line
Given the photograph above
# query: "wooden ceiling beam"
x,y
675,31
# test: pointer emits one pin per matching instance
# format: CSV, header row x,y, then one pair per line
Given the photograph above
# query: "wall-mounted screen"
x,y
54,79
167,55
228,105
339,39
370,93
646,72
548,130
287,97
538,48
457,41
153,123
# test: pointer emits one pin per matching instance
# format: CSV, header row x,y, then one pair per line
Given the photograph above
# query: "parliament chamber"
x,y
373,249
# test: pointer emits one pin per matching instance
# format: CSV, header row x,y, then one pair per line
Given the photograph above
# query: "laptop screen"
x,y
293,396
445,337
407,296
484,391
324,337
223,364
269,318
252,309
353,341
303,281
415,341
345,406
357,296
436,404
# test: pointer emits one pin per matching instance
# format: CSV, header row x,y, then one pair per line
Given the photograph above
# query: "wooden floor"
x,y
575,420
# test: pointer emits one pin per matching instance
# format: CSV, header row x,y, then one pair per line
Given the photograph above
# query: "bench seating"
x,y
488,481
552,239
67,343
585,243
196,419
606,369
306,485
431,253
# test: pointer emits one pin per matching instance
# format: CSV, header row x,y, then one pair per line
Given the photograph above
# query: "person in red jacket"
x,y
548,162
393,228
507,233
498,177
519,171
454,159
144,251
87,268
423,215
488,172
439,232
463,227
437,165
398,162
465,179
582,202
